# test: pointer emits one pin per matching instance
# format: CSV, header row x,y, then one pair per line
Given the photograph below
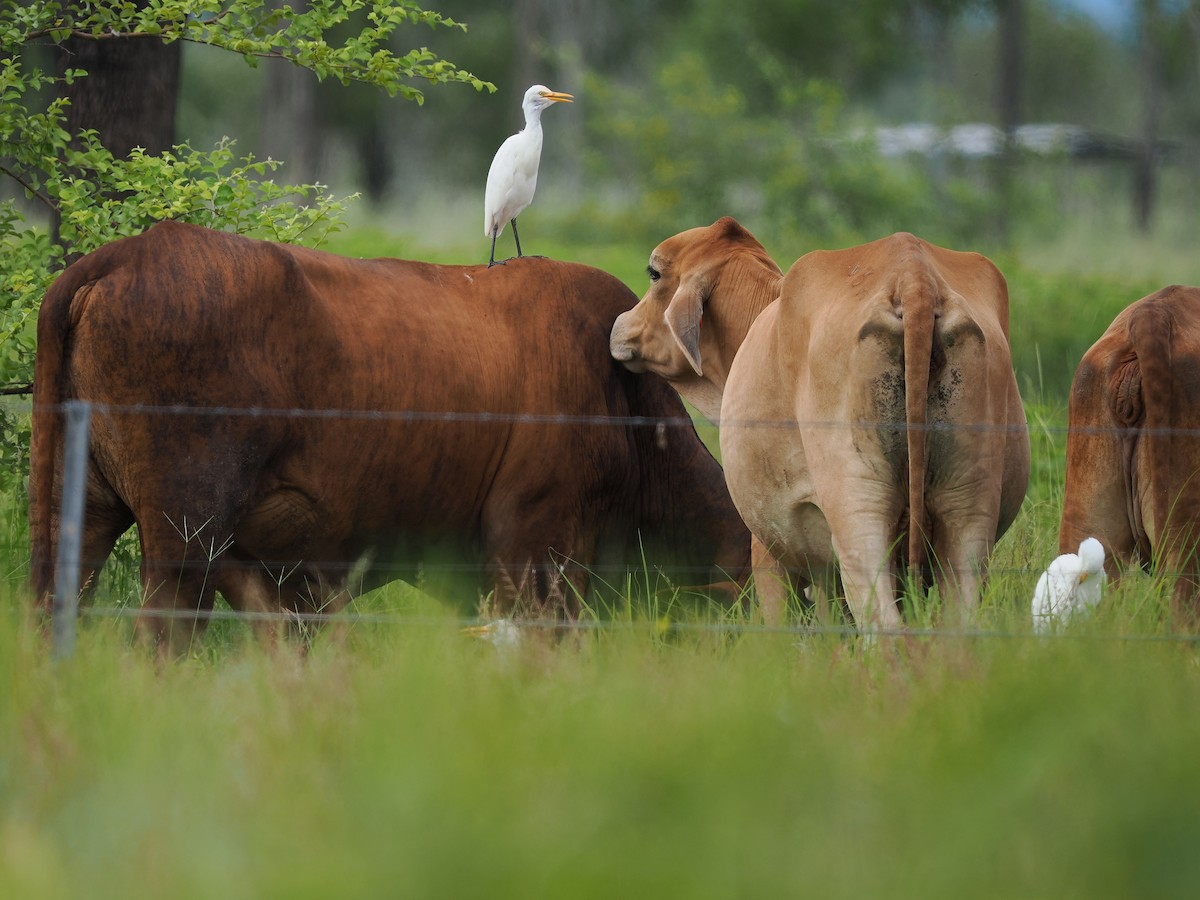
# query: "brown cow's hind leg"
x,y
181,562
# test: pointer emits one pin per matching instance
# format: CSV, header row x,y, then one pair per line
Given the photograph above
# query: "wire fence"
x,y
484,417
79,416
661,627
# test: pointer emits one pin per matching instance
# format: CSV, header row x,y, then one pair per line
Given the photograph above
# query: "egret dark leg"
x,y
492,258
517,238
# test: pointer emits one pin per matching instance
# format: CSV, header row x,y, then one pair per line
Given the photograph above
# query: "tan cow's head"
x,y
718,275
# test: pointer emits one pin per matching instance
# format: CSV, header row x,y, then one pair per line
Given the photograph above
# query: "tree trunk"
x,y
128,97
1010,32
1145,180
572,22
527,69
291,129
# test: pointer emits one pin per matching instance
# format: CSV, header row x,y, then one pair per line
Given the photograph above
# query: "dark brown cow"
x,y
273,509
1133,450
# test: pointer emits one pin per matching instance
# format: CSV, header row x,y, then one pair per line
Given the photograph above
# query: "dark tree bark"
x,y
1145,176
290,124
129,96
1010,33
375,156
527,68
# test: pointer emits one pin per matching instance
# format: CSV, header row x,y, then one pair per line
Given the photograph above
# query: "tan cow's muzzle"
x,y
623,346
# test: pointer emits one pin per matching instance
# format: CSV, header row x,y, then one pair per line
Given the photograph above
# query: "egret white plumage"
x,y
1070,584
512,178
503,634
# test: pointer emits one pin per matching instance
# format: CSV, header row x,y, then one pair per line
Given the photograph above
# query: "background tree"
x,y
1010,33
289,115
1146,153
128,97
100,157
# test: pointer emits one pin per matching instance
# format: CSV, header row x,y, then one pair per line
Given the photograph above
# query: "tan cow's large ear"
x,y
683,319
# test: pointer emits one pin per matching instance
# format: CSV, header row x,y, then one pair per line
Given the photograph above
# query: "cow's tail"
x,y
917,297
1170,420
49,392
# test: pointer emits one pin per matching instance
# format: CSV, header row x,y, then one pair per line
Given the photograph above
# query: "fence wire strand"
x,y
485,417
511,418
673,626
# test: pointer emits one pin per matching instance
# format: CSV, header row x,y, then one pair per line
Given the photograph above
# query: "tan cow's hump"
x,y
875,275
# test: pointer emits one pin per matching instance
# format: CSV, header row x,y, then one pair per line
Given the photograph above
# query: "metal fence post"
x,y
65,608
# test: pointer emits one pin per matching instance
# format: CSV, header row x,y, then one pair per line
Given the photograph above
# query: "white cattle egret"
x,y
503,634
512,178
1070,584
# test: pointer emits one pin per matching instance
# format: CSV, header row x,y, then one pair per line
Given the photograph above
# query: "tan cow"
x,y
1133,450
869,414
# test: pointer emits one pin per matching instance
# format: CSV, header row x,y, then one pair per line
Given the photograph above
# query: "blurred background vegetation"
x,y
789,114
1060,138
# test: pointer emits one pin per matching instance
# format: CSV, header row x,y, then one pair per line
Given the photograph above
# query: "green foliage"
x,y
1055,317
858,45
256,30
99,198
210,188
695,148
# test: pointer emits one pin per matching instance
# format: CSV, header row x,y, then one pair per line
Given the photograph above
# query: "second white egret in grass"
x,y
512,178
503,634
1070,584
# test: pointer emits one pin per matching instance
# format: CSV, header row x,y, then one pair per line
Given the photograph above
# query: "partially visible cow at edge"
x,y
870,418
274,510
1133,445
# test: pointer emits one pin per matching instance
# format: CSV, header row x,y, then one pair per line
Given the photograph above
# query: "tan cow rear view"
x,y
1133,450
870,416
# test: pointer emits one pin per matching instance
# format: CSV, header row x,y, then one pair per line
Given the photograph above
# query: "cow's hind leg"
x,y
864,543
105,519
771,583
312,593
870,585
249,587
537,564
962,541
181,564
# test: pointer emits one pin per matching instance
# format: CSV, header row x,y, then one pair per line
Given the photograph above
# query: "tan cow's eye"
x,y
653,273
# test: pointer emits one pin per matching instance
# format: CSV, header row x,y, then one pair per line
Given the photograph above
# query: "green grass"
x,y
415,761
663,754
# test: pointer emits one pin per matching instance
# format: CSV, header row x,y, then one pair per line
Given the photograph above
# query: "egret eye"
x,y
653,273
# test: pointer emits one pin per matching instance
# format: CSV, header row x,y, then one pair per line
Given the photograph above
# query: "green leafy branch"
x,y
257,31
99,198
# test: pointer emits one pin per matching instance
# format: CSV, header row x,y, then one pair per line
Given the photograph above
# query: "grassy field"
x,y
416,762
662,754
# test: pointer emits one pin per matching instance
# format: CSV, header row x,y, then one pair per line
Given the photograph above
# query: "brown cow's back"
x,y
365,406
